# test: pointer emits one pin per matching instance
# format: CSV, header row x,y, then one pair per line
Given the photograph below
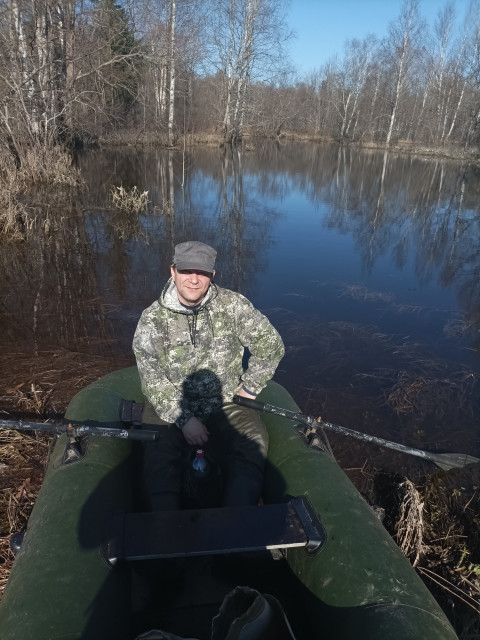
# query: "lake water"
x,y
367,263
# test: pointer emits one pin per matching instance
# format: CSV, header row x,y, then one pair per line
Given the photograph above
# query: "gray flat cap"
x,y
194,255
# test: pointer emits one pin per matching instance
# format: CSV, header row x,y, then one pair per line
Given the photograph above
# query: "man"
x,y
189,347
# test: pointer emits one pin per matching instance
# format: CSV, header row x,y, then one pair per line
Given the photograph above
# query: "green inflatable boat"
x,y
313,561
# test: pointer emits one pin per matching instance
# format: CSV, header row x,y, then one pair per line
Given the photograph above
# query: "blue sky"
x,y
322,26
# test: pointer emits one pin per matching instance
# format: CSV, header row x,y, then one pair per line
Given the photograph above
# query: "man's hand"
x,y
245,394
195,432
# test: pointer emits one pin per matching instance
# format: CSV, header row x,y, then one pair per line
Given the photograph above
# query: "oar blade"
x,y
447,461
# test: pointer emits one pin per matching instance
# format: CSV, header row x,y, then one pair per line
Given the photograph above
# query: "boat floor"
x,y
182,596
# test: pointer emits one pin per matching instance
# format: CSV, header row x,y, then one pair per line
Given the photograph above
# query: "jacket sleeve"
x,y
263,342
164,396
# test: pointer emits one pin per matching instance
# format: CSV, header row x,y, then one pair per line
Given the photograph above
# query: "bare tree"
x,y
171,60
472,100
248,37
34,71
443,33
275,107
445,81
173,33
316,100
61,63
400,49
351,79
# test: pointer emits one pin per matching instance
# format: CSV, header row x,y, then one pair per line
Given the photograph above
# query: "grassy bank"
x,y
451,152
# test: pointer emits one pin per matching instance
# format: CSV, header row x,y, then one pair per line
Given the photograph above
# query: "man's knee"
x,y
150,416
247,426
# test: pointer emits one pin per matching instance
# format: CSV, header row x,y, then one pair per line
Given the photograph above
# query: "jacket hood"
x,y
169,298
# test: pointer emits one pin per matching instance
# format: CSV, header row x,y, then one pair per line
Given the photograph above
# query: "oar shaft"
x,y
19,425
77,430
292,415
269,408
443,460
376,440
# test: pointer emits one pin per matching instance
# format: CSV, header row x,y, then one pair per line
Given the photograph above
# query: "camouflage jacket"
x,y
190,362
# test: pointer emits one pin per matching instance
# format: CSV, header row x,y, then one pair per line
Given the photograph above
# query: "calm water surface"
x,y
367,263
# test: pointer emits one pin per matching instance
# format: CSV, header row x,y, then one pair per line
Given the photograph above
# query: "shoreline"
x,y
249,143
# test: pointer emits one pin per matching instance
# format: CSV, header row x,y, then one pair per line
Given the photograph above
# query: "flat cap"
x,y
194,255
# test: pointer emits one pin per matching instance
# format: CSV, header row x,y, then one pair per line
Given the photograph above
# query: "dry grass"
x,y
469,326
35,166
23,460
451,563
12,211
410,525
43,384
50,165
129,201
438,528
383,370
417,394
37,390
436,523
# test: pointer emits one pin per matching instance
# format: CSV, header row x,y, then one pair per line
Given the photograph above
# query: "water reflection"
x,y
367,263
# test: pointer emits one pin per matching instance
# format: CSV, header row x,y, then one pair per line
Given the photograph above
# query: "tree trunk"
x,y
398,88
171,97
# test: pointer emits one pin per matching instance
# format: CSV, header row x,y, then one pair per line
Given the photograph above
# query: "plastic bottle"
x,y
200,464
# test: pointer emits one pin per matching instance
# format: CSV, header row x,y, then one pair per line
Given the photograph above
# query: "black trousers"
x,y
238,441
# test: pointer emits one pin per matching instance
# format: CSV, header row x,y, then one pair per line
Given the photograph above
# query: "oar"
x,y
77,430
443,460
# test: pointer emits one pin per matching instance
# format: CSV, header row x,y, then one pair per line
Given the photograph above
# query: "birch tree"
x,y
34,70
443,32
173,42
248,38
401,47
61,64
157,73
473,74
171,59
446,81
352,77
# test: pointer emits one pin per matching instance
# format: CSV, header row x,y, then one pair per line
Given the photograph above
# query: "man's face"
x,y
192,284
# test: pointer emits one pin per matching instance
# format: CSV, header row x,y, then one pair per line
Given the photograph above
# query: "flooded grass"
x,y
130,201
40,388
22,174
42,385
421,395
449,559
391,371
24,458
362,293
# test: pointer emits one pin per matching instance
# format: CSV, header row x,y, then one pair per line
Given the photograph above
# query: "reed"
x,y
129,201
50,165
30,165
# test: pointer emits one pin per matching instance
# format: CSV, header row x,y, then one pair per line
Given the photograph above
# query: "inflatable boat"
x,y
313,554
